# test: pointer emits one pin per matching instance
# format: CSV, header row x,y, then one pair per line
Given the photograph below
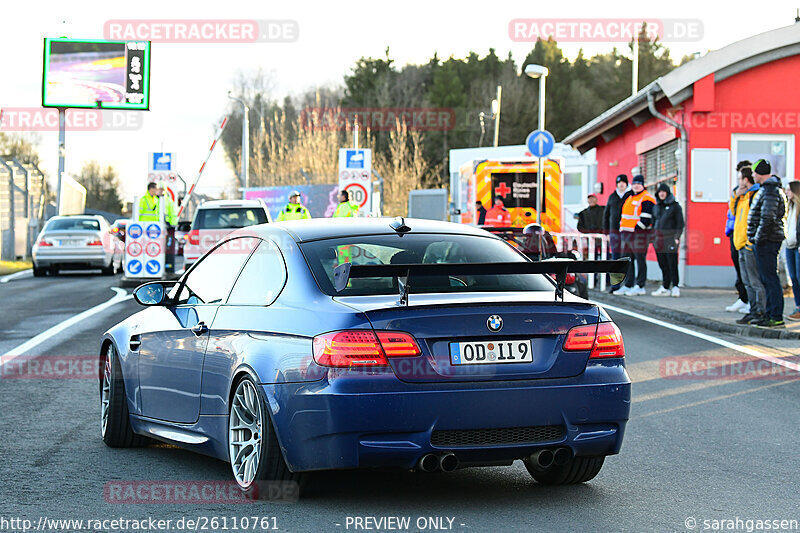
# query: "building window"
x,y
777,149
660,163
573,188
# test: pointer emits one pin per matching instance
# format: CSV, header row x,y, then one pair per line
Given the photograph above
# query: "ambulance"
x,y
514,181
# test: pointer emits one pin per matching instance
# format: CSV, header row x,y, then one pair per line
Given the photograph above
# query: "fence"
x,y
594,242
22,200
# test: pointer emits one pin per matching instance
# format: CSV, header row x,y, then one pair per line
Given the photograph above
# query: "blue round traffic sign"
x,y
153,267
134,266
153,231
540,143
134,231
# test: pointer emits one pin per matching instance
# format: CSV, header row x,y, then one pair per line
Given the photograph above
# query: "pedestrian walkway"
x,y
704,307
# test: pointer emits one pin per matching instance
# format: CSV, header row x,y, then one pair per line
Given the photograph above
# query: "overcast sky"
x,y
189,82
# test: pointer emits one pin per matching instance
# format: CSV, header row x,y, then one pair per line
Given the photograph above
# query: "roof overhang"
x,y
678,85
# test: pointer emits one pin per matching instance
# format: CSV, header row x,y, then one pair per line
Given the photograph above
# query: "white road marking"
x,y
15,275
120,296
705,337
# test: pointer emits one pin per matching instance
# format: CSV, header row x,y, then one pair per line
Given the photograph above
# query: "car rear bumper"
x,y
73,259
379,421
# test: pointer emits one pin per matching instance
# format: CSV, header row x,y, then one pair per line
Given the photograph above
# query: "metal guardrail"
x,y
590,246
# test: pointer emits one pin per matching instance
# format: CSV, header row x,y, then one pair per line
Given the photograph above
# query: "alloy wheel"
x,y
105,394
245,433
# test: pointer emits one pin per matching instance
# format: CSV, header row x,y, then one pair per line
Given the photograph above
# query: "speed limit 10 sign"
x,y
357,194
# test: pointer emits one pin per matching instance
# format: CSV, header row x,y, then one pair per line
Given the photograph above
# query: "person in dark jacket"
x,y
668,227
481,212
766,230
611,217
590,220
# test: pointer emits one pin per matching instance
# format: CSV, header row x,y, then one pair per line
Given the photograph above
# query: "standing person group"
x,y
742,303
760,211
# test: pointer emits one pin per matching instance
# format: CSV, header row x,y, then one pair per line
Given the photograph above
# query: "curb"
x,y
690,319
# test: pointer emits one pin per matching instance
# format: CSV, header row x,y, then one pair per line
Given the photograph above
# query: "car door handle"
x,y
200,329
136,341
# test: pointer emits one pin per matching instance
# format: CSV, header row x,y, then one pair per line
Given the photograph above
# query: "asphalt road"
x,y
703,449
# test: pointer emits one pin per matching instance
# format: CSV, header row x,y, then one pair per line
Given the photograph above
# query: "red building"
x,y
690,127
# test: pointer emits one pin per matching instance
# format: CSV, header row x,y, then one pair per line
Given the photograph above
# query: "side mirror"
x,y
153,293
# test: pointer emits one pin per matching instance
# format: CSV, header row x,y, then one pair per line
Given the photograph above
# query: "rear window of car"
x,y
325,255
230,217
73,224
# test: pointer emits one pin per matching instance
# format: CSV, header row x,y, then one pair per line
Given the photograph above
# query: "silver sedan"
x,y
77,242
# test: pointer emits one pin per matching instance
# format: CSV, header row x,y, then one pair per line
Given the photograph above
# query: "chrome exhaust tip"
x,y
428,463
448,462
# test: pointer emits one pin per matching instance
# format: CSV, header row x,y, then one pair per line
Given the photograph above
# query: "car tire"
x,y
53,271
258,468
115,421
39,272
577,470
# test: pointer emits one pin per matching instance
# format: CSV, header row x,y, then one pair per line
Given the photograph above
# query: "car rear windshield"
x,y
325,255
73,224
230,217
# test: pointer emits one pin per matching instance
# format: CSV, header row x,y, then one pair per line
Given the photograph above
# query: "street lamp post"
x,y
245,142
539,71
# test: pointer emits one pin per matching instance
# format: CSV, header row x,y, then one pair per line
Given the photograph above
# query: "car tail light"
x,y
603,339
44,243
193,237
397,344
96,242
343,349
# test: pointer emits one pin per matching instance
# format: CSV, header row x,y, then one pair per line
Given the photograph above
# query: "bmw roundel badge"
x,y
494,323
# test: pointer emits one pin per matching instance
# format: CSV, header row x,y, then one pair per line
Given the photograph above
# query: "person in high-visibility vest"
x,y
149,204
346,208
635,227
294,210
170,215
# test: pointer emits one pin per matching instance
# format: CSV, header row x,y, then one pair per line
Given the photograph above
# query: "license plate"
x,y
67,242
491,352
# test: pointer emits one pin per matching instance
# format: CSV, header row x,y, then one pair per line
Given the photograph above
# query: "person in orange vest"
x,y
498,215
635,227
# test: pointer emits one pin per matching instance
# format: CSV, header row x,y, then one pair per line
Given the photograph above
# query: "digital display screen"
x,y
105,74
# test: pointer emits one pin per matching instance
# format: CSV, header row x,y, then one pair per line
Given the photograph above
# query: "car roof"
x,y
221,204
331,228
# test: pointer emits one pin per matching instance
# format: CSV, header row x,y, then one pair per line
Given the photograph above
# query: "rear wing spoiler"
x,y
343,273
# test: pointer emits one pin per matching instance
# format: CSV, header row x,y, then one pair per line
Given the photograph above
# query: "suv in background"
x,y
215,219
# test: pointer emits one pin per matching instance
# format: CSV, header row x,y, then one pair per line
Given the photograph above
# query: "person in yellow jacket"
x,y
294,210
636,226
170,215
740,207
346,208
149,204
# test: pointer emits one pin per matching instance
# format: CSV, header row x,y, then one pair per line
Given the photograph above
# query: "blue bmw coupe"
x,y
361,343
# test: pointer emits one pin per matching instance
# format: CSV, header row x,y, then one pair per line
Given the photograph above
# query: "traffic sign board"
x,y
357,194
153,231
540,143
134,231
153,267
153,248
134,266
161,161
134,248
